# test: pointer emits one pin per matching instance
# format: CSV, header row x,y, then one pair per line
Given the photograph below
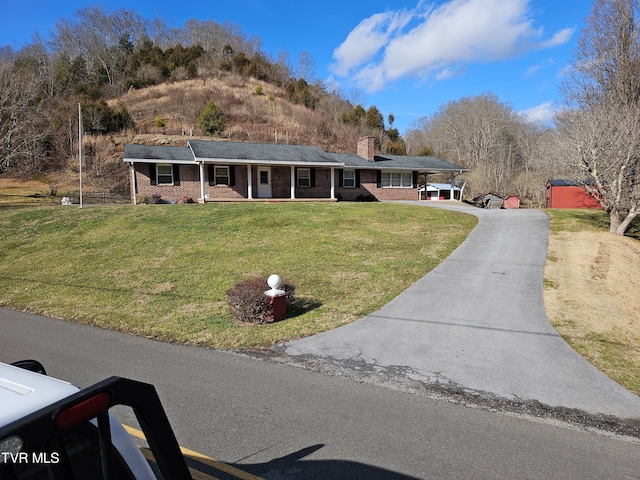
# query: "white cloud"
x,y
448,73
364,41
542,113
559,38
437,40
538,66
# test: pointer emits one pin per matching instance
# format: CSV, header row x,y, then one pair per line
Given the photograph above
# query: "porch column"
x,y
333,183
425,188
452,195
293,182
249,183
132,180
202,181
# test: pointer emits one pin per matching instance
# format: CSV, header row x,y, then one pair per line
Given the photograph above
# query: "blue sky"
x,y
407,57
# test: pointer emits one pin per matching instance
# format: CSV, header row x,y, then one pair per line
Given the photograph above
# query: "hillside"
x,y
267,116
167,114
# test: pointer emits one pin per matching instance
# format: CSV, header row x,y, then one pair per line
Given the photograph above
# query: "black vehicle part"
x,y
31,365
93,402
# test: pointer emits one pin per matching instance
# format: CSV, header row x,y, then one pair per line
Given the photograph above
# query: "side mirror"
x,y
31,365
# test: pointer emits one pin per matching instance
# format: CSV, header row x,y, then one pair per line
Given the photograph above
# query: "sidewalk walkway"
x,y
476,323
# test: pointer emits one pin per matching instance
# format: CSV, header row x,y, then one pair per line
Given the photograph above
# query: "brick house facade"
x,y
226,171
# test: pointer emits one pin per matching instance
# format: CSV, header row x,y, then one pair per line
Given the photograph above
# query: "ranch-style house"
x,y
208,170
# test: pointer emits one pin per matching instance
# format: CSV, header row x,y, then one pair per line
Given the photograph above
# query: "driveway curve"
x,y
475,324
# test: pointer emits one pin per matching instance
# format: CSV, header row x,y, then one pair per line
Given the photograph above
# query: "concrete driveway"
x,y
475,325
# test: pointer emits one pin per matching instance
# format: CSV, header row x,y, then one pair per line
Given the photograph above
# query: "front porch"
x,y
268,200
257,182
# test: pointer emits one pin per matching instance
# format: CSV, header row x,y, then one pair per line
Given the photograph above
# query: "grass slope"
x,y
162,271
592,285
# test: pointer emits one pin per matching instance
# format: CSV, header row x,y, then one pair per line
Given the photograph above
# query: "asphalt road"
x,y
282,422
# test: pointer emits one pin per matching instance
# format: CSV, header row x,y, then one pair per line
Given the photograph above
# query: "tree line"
x,y
595,137
100,54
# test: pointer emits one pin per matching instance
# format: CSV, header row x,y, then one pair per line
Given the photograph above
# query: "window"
x,y
164,174
221,175
304,177
396,179
349,179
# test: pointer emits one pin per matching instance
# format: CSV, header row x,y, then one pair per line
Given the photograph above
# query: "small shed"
x,y
439,191
511,202
568,194
488,200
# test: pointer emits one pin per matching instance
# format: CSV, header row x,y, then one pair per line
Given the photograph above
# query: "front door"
x,y
264,182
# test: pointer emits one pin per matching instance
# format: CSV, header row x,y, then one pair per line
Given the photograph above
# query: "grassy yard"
x,y
162,271
592,280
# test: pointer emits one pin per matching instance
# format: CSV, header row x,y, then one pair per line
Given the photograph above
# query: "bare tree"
x,y
18,115
603,145
606,65
479,132
306,66
599,132
103,39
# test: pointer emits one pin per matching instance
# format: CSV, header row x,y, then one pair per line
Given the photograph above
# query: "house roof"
x,y
399,162
569,183
487,196
279,154
242,152
155,153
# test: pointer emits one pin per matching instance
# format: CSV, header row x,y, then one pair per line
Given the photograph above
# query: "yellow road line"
x,y
195,474
212,462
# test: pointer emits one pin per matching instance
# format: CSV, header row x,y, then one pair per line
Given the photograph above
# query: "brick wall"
x,y
238,190
280,185
189,183
322,187
369,187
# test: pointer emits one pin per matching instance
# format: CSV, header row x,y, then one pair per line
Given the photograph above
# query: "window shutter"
x,y
153,174
341,177
176,174
313,177
414,179
357,178
232,175
379,178
212,180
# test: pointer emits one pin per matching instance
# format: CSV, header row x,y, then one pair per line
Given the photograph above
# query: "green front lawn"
x,y
162,271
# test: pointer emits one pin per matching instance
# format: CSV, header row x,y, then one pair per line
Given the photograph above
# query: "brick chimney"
x,y
365,148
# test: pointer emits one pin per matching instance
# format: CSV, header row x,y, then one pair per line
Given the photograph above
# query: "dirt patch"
x,y
592,298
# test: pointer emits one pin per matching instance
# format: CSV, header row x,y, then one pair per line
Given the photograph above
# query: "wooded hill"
x,y
139,80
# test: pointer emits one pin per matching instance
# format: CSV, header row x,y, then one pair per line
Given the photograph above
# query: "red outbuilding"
x,y
511,202
568,194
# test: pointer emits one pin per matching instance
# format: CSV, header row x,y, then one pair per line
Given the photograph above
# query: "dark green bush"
x,y
211,120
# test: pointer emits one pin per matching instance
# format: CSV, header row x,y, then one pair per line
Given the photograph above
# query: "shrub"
x,y
248,303
153,199
211,119
160,122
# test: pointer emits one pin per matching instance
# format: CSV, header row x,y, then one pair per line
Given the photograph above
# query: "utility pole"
x,y
80,147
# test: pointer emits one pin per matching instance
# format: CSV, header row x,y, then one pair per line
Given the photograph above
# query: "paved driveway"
x,y
475,324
